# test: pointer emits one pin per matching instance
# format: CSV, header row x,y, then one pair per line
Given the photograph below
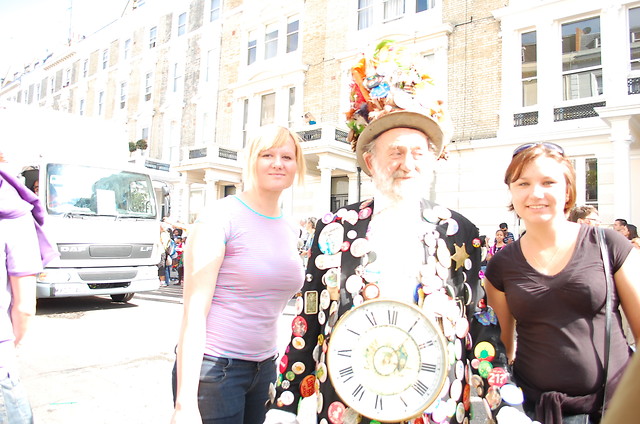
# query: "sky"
x,y
30,28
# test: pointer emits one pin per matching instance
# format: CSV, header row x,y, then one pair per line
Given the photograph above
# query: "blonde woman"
x,y
241,268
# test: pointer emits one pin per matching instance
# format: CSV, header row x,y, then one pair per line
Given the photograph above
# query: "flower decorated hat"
x,y
388,91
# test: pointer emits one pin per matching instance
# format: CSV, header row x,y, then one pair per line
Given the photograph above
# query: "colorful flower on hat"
x,y
389,81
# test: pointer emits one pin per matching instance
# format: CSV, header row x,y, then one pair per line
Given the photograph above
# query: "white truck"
x,y
101,212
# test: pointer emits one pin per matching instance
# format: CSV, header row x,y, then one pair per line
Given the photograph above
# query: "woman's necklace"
x,y
550,262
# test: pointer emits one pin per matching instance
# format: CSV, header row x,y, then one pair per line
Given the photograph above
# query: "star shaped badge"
x,y
460,256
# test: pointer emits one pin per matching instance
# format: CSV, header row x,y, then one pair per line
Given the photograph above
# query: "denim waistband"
x,y
241,361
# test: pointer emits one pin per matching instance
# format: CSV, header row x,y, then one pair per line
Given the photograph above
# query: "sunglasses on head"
x,y
551,146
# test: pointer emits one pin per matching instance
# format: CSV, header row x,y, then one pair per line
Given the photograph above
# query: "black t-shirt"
x,y
560,319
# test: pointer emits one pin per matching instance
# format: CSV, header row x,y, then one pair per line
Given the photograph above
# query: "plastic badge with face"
x,y
331,238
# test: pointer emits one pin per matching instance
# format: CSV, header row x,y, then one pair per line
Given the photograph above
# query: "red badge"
x,y
308,386
336,412
466,397
284,361
299,326
476,242
498,377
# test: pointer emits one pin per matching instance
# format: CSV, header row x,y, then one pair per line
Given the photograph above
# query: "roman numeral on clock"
x,y
393,317
425,344
359,392
378,404
420,387
346,373
371,318
345,352
427,367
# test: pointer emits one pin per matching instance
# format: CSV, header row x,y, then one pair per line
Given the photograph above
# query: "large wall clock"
x,y
387,360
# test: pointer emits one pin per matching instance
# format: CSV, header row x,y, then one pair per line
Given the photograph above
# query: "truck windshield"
x,y
85,190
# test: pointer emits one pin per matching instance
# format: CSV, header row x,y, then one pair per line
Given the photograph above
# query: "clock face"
x,y
387,360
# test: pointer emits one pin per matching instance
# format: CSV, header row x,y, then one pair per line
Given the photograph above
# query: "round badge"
x,y
460,412
316,352
298,343
336,412
478,384
466,397
297,368
325,300
484,368
493,397
357,300
351,217
351,416
360,247
286,384
484,350
498,377
371,273
284,361
299,326
331,278
341,213
319,405
322,317
443,254
345,246
330,238
476,242
459,370
462,327
351,234
321,372
371,291
286,398
308,386
364,213
468,264
455,391
309,278
353,284
328,218
512,394
290,375
299,305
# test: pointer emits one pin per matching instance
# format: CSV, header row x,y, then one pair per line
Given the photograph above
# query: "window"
x,y
38,93
123,94
365,14
591,182
292,104
67,77
100,102
339,192
147,86
85,68
271,41
105,59
245,121
529,68
52,84
211,62
422,5
145,133
634,37
268,109
292,34
252,48
177,77
182,24
153,35
581,61
393,9
81,107
215,10
127,48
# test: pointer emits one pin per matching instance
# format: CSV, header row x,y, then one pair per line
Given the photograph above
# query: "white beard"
x,y
394,236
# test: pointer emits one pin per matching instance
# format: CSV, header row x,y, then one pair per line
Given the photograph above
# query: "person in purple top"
x,y
241,268
24,251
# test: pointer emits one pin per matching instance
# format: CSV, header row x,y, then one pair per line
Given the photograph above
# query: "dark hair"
x,y
312,221
524,158
622,221
503,225
633,231
581,212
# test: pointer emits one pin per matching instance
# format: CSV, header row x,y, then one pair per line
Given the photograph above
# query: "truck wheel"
x,y
125,297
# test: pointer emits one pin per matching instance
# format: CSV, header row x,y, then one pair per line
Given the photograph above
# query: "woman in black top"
x,y
550,286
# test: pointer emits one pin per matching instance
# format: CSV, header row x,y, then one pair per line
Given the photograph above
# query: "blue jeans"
x,y
233,391
167,275
14,405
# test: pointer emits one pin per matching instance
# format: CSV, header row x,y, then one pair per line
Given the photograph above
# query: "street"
x,y
91,360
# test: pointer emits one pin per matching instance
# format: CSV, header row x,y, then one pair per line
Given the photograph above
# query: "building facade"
x,y
194,78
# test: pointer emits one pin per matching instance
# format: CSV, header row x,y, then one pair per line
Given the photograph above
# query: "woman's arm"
x,y
202,260
498,301
627,280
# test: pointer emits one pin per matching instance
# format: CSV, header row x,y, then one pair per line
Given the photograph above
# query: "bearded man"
x,y
392,323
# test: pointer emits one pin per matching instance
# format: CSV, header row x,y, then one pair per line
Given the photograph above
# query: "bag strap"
x,y
607,270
